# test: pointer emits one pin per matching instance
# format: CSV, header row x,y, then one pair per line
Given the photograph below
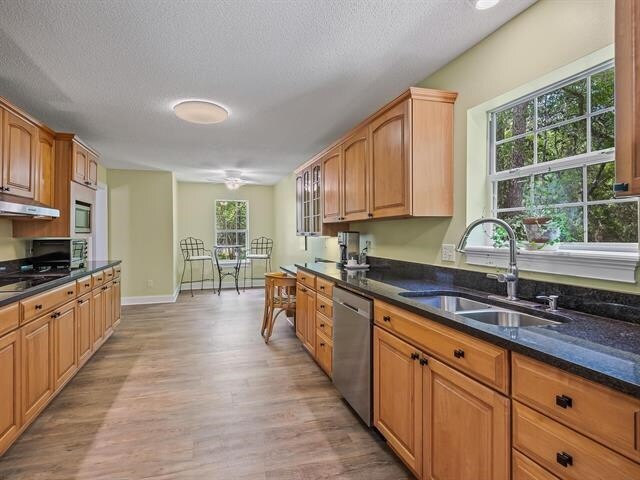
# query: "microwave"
x,y
60,252
82,213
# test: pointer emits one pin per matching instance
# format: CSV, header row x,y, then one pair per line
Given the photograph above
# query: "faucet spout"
x,y
511,277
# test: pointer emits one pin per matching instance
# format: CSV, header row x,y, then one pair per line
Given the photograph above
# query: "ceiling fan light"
x,y
486,4
200,111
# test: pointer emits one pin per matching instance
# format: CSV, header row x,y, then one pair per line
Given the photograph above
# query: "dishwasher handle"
x,y
350,307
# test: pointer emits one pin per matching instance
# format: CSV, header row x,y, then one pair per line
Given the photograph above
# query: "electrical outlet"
x,y
149,283
448,252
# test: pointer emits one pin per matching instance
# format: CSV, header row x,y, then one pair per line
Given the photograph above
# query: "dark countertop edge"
x,y
553,361
74,275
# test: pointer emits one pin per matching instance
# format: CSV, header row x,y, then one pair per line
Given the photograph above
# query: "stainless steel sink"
x,y
448,303
508,318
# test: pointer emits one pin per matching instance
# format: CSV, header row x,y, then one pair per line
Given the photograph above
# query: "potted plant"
x,y
544,226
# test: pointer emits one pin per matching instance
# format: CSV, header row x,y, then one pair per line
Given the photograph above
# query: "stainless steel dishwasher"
x,y
352,326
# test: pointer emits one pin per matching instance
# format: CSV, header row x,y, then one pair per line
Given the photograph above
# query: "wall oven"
x,y
82,213
60,253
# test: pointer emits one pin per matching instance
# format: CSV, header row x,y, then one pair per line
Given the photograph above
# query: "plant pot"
x,y
541,232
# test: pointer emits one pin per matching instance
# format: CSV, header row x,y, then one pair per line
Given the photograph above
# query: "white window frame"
x,y
601,261
215,221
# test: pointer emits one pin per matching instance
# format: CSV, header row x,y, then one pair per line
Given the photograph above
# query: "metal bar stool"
x,y
279,296
193,251
259,249
231,255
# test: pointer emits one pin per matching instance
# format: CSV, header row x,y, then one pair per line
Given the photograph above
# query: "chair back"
x,y
261,246
192,247
228,252
282,286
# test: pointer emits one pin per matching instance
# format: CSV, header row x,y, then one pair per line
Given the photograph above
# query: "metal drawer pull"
x,y
70,292
322,325
321,306
423,361
458,353
38,307
564,401
564,459
415,356
386,318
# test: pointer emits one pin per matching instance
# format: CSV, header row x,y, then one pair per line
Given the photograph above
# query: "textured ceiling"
x,y
294,74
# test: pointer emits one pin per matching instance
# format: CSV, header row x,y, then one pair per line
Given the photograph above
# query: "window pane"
x,y
562,104
600,180
616,222
514,219
220,239
602,90
514,121
602,131
242,215
514,154
564,141
564,186
571,224
242,238
510,192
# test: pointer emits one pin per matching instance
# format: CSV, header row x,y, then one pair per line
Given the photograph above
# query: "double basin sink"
x,y
453,302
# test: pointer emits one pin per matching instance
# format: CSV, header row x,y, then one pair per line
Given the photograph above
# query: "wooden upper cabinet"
x,y
80,164
331,166
627,91
310,200
355,176
45,168
299,210
92,170
20,138
391,162
397,397
466,425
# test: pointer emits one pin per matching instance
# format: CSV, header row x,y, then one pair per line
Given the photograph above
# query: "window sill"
x,y
614,266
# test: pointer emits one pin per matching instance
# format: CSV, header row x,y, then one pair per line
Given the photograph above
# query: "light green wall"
x,y
10,248
196,215
543,38
141,230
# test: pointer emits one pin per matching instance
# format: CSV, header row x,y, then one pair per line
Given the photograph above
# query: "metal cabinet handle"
x,y
70,292
564,459
423,361
415,356
370,215
322,325
564,401
322,344
80,302
458,353
39,307
321,287
322,307
386,318
87,285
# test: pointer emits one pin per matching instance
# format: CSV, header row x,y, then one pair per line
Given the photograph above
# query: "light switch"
x,y
448,252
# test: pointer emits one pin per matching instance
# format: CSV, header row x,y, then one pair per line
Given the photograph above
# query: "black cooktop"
x,y
17,282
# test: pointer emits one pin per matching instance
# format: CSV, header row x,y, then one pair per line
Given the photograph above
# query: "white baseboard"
x,y
151,299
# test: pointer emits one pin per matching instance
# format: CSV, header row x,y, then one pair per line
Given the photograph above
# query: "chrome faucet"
x,y
510,277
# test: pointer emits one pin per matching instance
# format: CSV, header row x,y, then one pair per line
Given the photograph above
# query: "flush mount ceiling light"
x,y
234,183
200,111
486,4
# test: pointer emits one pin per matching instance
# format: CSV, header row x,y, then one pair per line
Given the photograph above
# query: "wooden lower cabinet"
x,y
324,352
301,311
10,360
526,469
97,314
306,317
108,308
37,366
85,329
441,423
397,397
117,292
65,343
466,427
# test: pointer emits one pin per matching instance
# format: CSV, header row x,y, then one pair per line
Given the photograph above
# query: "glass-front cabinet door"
x,y
315,200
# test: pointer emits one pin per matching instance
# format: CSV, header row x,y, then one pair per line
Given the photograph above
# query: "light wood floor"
x,y
190,391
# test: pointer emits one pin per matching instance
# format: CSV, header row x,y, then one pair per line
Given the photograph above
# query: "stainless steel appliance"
x,y
349,243
82,212
59,253
352,327
26,208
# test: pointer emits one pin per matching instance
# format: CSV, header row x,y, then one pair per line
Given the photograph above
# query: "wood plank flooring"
x,y
190,391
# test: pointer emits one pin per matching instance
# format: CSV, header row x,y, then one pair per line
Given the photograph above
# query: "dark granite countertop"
x,y
603,350
92,267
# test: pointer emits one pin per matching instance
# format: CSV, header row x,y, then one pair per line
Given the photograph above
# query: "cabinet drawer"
x,y
98,279
566,453
324,287
526,469
483,361
324,306
325,325
307,279
596,411
117,270
324,352
108,274
9,318
84,285
39,304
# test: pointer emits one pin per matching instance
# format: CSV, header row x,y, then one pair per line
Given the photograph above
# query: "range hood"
x,y
27,208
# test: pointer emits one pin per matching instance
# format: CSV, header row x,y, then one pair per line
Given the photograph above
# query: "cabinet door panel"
x,y
117,310
20,152
390,163
92,171
310,322
45,168
299,206
108,308
85,332
331,165
65,328
466,427
355,173
10,388
80,164
397,397
301,311
37,367
97,312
